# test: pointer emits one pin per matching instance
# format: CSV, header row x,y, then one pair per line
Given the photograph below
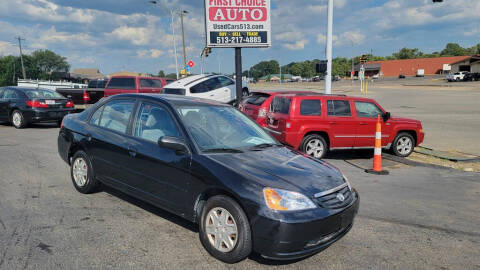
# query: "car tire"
x,y
245,93
17,119
403,145
82,175
458,79
315,146
239,246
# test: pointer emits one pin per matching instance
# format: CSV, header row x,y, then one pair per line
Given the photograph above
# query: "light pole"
x,y
183,38
21,56
173,33
328,77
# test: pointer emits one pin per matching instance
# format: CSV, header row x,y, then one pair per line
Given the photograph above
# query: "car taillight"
x,y
262,113
69,104
36,104
86,97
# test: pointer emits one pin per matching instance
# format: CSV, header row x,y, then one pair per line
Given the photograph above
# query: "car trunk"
x,y
278,116
253,104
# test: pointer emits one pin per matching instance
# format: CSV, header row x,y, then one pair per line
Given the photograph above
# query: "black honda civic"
x,y
22,106
209,163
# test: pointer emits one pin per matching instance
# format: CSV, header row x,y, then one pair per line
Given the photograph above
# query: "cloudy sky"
x,y
134,35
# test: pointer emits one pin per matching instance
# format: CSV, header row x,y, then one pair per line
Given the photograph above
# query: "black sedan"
x,y
22,106
211,164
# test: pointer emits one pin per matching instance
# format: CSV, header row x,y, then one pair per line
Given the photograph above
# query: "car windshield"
x,y
223,129
42,94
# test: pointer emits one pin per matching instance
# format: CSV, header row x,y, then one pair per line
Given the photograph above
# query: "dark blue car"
x,y
212,165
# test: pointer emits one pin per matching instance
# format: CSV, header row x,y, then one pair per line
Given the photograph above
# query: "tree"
x,y
406,53
171,76
48,62
453,49
161,74
264,68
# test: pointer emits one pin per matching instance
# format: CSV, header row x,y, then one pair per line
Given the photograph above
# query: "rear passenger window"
x,y
257,100
338,108
95,120
116,115
122,83
199,88
311,107
281,105
149,83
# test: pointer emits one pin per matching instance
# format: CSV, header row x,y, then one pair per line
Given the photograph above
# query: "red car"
x,y
135,84
258,103
316,124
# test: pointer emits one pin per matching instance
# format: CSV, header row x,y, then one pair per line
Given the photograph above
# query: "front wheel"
x,y
403,145
224,230
315,145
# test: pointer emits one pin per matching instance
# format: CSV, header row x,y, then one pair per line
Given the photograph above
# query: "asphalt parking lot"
x,y
418,217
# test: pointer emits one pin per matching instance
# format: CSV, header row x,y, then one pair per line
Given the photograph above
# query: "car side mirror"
x,y
173,143
386,116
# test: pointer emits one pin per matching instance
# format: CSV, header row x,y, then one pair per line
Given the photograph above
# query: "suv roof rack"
x,y
312,94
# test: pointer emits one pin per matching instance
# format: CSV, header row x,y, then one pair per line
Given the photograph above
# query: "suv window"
x,y
116,114
205,86
150,83
10,94
367,109
174,91
122,83
281,105
153,122
257,100
224,81
339,108
311,107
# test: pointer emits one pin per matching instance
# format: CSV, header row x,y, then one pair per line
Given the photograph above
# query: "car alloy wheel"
x,y
221,229
315,148
404,145
17,119
80,172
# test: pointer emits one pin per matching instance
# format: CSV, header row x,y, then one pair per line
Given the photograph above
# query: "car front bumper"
x,y
291,235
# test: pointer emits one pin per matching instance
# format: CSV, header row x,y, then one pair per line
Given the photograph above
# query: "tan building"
x,y
471,64
88,73
128,73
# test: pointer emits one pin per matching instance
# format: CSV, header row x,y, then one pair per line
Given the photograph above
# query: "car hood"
x,y
404,120
281,167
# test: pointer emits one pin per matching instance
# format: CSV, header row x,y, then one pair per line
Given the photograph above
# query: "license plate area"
x,y
50,102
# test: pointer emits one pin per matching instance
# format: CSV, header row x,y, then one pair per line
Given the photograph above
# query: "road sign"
x,y
183,72
188,68
191,64
236,24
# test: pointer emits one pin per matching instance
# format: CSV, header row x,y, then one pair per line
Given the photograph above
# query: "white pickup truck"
x,y
456,77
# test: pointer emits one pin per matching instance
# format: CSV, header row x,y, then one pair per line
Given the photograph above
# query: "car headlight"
x,y
283,200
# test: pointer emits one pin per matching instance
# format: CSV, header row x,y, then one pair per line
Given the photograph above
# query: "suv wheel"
x,y
225,230
403,145
82,174
18,120
315,145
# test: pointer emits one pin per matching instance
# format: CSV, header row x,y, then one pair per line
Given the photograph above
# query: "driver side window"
x,y
153,122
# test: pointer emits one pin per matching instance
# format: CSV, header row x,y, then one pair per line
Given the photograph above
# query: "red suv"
x,y
316,123
135,84
258,103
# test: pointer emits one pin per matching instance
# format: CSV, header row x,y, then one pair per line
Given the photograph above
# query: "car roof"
x,y
326,95
25,88
189,80
175,100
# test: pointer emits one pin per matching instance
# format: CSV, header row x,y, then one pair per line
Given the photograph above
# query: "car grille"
x,y
332,201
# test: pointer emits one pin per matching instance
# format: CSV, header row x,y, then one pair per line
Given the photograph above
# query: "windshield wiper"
x,y
264,145
222,150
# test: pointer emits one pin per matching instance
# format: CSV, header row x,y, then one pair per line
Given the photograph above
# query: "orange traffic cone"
x,y
377,157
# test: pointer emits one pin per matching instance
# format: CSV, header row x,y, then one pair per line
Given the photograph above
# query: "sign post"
x,y
237,24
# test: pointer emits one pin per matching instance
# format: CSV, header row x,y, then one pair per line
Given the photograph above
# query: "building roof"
x,y
473,58
88,73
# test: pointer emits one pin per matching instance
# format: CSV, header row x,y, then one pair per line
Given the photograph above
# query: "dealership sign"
x,y
238,23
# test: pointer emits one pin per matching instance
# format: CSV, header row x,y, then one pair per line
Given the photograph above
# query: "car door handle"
x,y
226,90
212,95
332,123
89,137
363,124
132,151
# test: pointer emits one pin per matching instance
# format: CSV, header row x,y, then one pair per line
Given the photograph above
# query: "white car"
x,y
216,87
458,76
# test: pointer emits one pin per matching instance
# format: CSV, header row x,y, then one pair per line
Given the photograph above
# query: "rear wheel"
x,y
315,145
18,120
224,230
403,145
82,174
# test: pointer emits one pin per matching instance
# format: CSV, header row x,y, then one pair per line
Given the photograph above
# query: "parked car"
x,y
209,163
135,84
257,104
401,76
23,105
457,76
316,124
469,77
420,73
216,87
83,98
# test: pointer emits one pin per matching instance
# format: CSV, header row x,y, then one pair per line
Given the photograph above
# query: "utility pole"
x,y
21,56
351,71
13,72
280,74
328,77
238,75
183,37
